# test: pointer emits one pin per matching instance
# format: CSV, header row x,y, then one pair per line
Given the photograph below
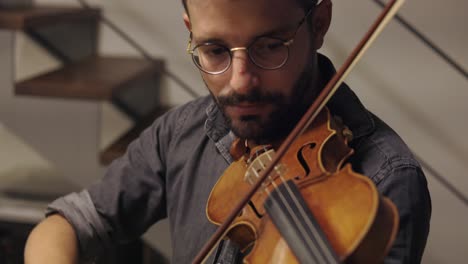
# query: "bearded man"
x,y
259,61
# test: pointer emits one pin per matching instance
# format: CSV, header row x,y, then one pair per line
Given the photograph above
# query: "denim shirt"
x,y
171,168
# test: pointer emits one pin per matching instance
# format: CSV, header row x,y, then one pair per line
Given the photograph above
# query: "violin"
x,y
312,208
301,203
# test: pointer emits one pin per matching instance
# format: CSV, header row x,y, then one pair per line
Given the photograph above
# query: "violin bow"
x,y
384,18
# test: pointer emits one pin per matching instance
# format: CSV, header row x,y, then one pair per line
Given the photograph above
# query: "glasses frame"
x,y
286,43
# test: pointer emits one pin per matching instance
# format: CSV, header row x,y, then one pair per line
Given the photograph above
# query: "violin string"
x,y
324,249
295,219
321,247
317,254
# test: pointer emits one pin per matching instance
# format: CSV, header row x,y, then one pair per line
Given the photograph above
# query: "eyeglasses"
x,y
268,53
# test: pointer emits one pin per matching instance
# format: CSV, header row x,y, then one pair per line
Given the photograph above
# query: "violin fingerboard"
x,y
297,225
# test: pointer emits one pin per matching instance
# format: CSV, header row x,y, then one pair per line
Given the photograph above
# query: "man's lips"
x,y
245,109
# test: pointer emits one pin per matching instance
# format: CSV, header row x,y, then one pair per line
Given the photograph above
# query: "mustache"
x,y
252,97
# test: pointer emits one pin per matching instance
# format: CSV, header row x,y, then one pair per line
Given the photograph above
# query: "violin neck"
x,y
297,225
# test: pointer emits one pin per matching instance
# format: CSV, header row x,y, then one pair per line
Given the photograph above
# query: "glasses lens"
x,y
212,58
269,53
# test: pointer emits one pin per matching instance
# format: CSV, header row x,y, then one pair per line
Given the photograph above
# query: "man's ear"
x,y
187,21
321,22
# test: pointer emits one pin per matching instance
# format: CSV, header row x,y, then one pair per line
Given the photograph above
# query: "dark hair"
x,y
306,4
184,2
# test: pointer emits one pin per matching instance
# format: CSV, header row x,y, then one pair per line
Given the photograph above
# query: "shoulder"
x,y
159,137
381,153
384,157
178,118
195,109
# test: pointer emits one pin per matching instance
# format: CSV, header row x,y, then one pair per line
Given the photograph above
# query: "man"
x,y
259,61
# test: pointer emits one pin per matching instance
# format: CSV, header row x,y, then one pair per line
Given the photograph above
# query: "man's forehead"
x,y
209,10
232,20
239,21
203,4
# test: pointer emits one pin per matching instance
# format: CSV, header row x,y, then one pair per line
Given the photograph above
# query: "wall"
x,y
399,79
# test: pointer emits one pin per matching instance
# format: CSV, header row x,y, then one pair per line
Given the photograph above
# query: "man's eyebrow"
x,y
277,31
269,33
201,40
281,30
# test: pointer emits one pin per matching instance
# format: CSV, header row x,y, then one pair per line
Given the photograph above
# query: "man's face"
x,y
259,104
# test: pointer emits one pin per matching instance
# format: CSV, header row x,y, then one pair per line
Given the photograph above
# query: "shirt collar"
x,y
344,103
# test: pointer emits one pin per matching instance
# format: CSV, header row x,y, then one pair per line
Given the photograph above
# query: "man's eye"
x,y
274,45
215,51
268,45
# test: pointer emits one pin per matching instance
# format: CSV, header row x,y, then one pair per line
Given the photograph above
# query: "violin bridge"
x,y
257,165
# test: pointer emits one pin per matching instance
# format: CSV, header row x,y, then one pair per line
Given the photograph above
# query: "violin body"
x,y
357,223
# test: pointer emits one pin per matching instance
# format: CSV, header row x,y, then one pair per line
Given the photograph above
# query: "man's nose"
x,y
243,75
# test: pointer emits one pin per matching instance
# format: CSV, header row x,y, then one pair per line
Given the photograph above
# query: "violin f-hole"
x,y
302,160
257,213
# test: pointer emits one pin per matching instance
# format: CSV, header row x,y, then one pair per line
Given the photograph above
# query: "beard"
x,y
286,110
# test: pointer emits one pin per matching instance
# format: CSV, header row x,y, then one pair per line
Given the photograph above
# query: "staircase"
x,y
35,107
70,35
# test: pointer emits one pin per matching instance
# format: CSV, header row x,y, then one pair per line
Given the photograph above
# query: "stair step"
x,y
36,16
118,148
95,78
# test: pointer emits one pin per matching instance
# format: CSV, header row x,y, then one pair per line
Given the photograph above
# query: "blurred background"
x,y
73,93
